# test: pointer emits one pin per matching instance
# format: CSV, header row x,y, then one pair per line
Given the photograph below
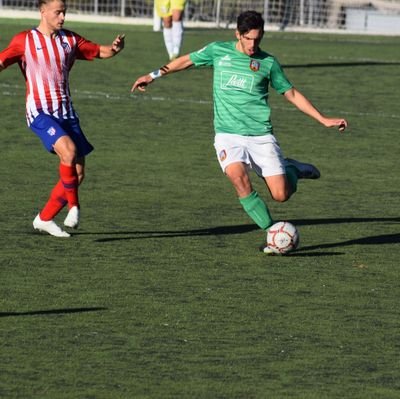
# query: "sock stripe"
x,y
70,185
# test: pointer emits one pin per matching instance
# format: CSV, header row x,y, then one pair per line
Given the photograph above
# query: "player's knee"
x,y
66,150
280,196
68,158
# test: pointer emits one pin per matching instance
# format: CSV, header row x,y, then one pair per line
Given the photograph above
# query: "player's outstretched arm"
x,y
176,65
303,104
117,46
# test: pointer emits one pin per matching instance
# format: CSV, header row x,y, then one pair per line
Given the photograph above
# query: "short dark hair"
x,y
249,20
43,2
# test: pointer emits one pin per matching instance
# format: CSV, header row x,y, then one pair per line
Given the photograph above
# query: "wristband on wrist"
x,y
155,74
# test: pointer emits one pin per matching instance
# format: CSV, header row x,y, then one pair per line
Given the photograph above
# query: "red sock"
x,y
56,202
69,179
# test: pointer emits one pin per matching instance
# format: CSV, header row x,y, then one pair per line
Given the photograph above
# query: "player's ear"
x,y
237,34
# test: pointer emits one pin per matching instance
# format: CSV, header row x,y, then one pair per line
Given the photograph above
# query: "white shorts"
x,y
260,153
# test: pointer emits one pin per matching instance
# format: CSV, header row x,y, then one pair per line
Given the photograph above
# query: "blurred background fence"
x,y
375,16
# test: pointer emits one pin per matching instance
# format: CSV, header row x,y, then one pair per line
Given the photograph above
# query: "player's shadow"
x,y
318,221
242,229
211,231
371,240
51,312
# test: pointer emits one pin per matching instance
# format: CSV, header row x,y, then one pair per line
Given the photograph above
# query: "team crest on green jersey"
x,y
254,65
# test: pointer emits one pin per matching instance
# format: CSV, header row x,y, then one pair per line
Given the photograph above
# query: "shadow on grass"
x,y
51,311
312,254
222,230
242,229
371,240
310,222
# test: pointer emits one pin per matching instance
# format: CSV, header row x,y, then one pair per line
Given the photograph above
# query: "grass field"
x,y
162,292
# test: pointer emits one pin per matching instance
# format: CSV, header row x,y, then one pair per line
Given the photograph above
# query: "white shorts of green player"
x,y
260,153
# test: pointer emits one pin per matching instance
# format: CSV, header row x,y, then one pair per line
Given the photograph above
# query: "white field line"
x,y
17,90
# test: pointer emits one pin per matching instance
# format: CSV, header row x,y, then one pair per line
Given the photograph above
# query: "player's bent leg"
x,y
291,176
49,227
69,180
66,149
279,187
303,170
73,216
80,169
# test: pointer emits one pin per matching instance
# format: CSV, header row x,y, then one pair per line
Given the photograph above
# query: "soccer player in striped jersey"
x,y
45,56
244,136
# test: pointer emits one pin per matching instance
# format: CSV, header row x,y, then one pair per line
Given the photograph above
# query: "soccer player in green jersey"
x,y
244,136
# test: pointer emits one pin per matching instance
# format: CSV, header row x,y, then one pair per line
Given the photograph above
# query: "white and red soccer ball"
x,y
282,238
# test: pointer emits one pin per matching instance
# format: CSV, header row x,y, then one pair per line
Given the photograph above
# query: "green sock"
x,y
257,209
291,174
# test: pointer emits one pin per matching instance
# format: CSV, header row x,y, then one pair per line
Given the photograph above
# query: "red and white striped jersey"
x,y
45,63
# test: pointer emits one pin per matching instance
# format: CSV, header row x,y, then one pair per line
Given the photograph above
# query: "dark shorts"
x,y
50,129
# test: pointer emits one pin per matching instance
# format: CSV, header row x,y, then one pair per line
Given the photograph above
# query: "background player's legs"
x,y
167,33
173,33
177,32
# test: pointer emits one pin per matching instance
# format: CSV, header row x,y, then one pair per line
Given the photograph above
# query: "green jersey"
x,y
240,87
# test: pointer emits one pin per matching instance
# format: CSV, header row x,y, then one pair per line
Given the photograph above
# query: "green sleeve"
x,y
204,56
278,79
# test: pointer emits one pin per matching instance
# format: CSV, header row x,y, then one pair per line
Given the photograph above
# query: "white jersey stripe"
x,y
40,72
30,101
55,73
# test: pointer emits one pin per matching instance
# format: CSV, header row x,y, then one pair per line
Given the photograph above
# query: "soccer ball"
x,y
282,238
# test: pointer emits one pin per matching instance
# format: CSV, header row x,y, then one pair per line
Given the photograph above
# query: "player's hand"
x,y
343,125
141,83
333,122
118,44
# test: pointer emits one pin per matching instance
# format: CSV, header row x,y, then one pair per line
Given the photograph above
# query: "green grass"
x,y
162,293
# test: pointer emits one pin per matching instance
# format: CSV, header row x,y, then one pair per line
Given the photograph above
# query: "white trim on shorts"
x,y
260,153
